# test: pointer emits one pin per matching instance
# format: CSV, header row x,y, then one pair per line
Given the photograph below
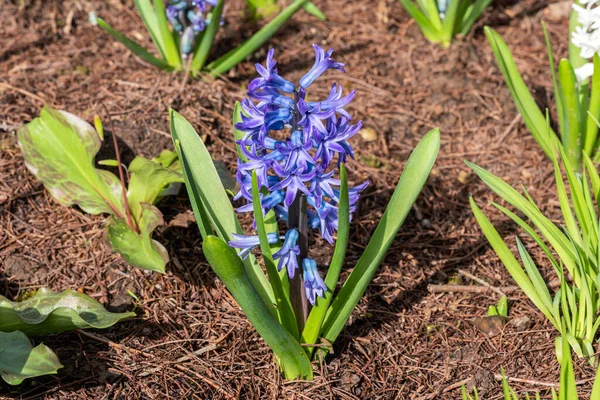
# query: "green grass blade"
x,y
228,61
208,39
533,117
409,186
571,135
316,317
568,388
450,22
284,307
472,14
207,193
135,48
231,271
557,91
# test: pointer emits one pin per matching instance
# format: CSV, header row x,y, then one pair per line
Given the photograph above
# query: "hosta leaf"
x,y
139,250
59,149
19,360
147,182
51,312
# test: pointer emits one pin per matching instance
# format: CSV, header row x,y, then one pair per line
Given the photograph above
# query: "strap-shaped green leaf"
x,y
19,360
313,326
427,27
135,48
209,200
593,114
284,307
59,149
50,312
231,59
571,136
533,117
313,10
150,19
228,266
171,51
208,39
411,182
473,13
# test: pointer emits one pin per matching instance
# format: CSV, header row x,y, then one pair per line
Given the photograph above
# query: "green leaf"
x,y
147,181
59,149
166,158
230,60
313,325
208,39
19,360
228,266
170,49
502,306
237,134
109,163
449,22
591,135
427,27
150,19
472,14
134,47
313,10
568,388
284,307
533,117
50,312
210,203
409,186
571,136
139,249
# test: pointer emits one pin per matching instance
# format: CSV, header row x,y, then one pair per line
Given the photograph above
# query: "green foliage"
x,y
43,313
259,9
166,40
577,104
500,309
59,149
574,310
442,27
567,386
264,300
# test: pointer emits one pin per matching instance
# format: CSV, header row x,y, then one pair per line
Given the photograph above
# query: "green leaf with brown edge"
x,y
19,360
51,312
59,149
139,249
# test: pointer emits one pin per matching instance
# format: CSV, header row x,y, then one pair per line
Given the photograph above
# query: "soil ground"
x,y
403,341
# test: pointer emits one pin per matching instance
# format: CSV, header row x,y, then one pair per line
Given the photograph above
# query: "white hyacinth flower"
x,y
587,35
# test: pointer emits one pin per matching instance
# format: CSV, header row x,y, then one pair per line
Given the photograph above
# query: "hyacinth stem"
x,y
297,220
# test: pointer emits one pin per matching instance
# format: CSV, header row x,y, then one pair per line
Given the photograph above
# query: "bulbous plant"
x,y
576,87
43,313
59,148
441,20
574,311
290,151
194,25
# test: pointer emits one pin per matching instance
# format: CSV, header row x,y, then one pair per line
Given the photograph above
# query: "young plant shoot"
x,y
441,20
43,313
291,173
189,40
574,311
59,148
576,88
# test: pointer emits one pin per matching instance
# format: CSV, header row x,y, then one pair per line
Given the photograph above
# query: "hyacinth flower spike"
x,y
291,173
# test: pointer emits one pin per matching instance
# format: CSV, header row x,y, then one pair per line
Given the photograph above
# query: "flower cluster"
x,y
189,18
292,144
587,35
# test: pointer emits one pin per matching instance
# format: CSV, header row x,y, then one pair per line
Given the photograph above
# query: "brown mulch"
x,y
190,340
